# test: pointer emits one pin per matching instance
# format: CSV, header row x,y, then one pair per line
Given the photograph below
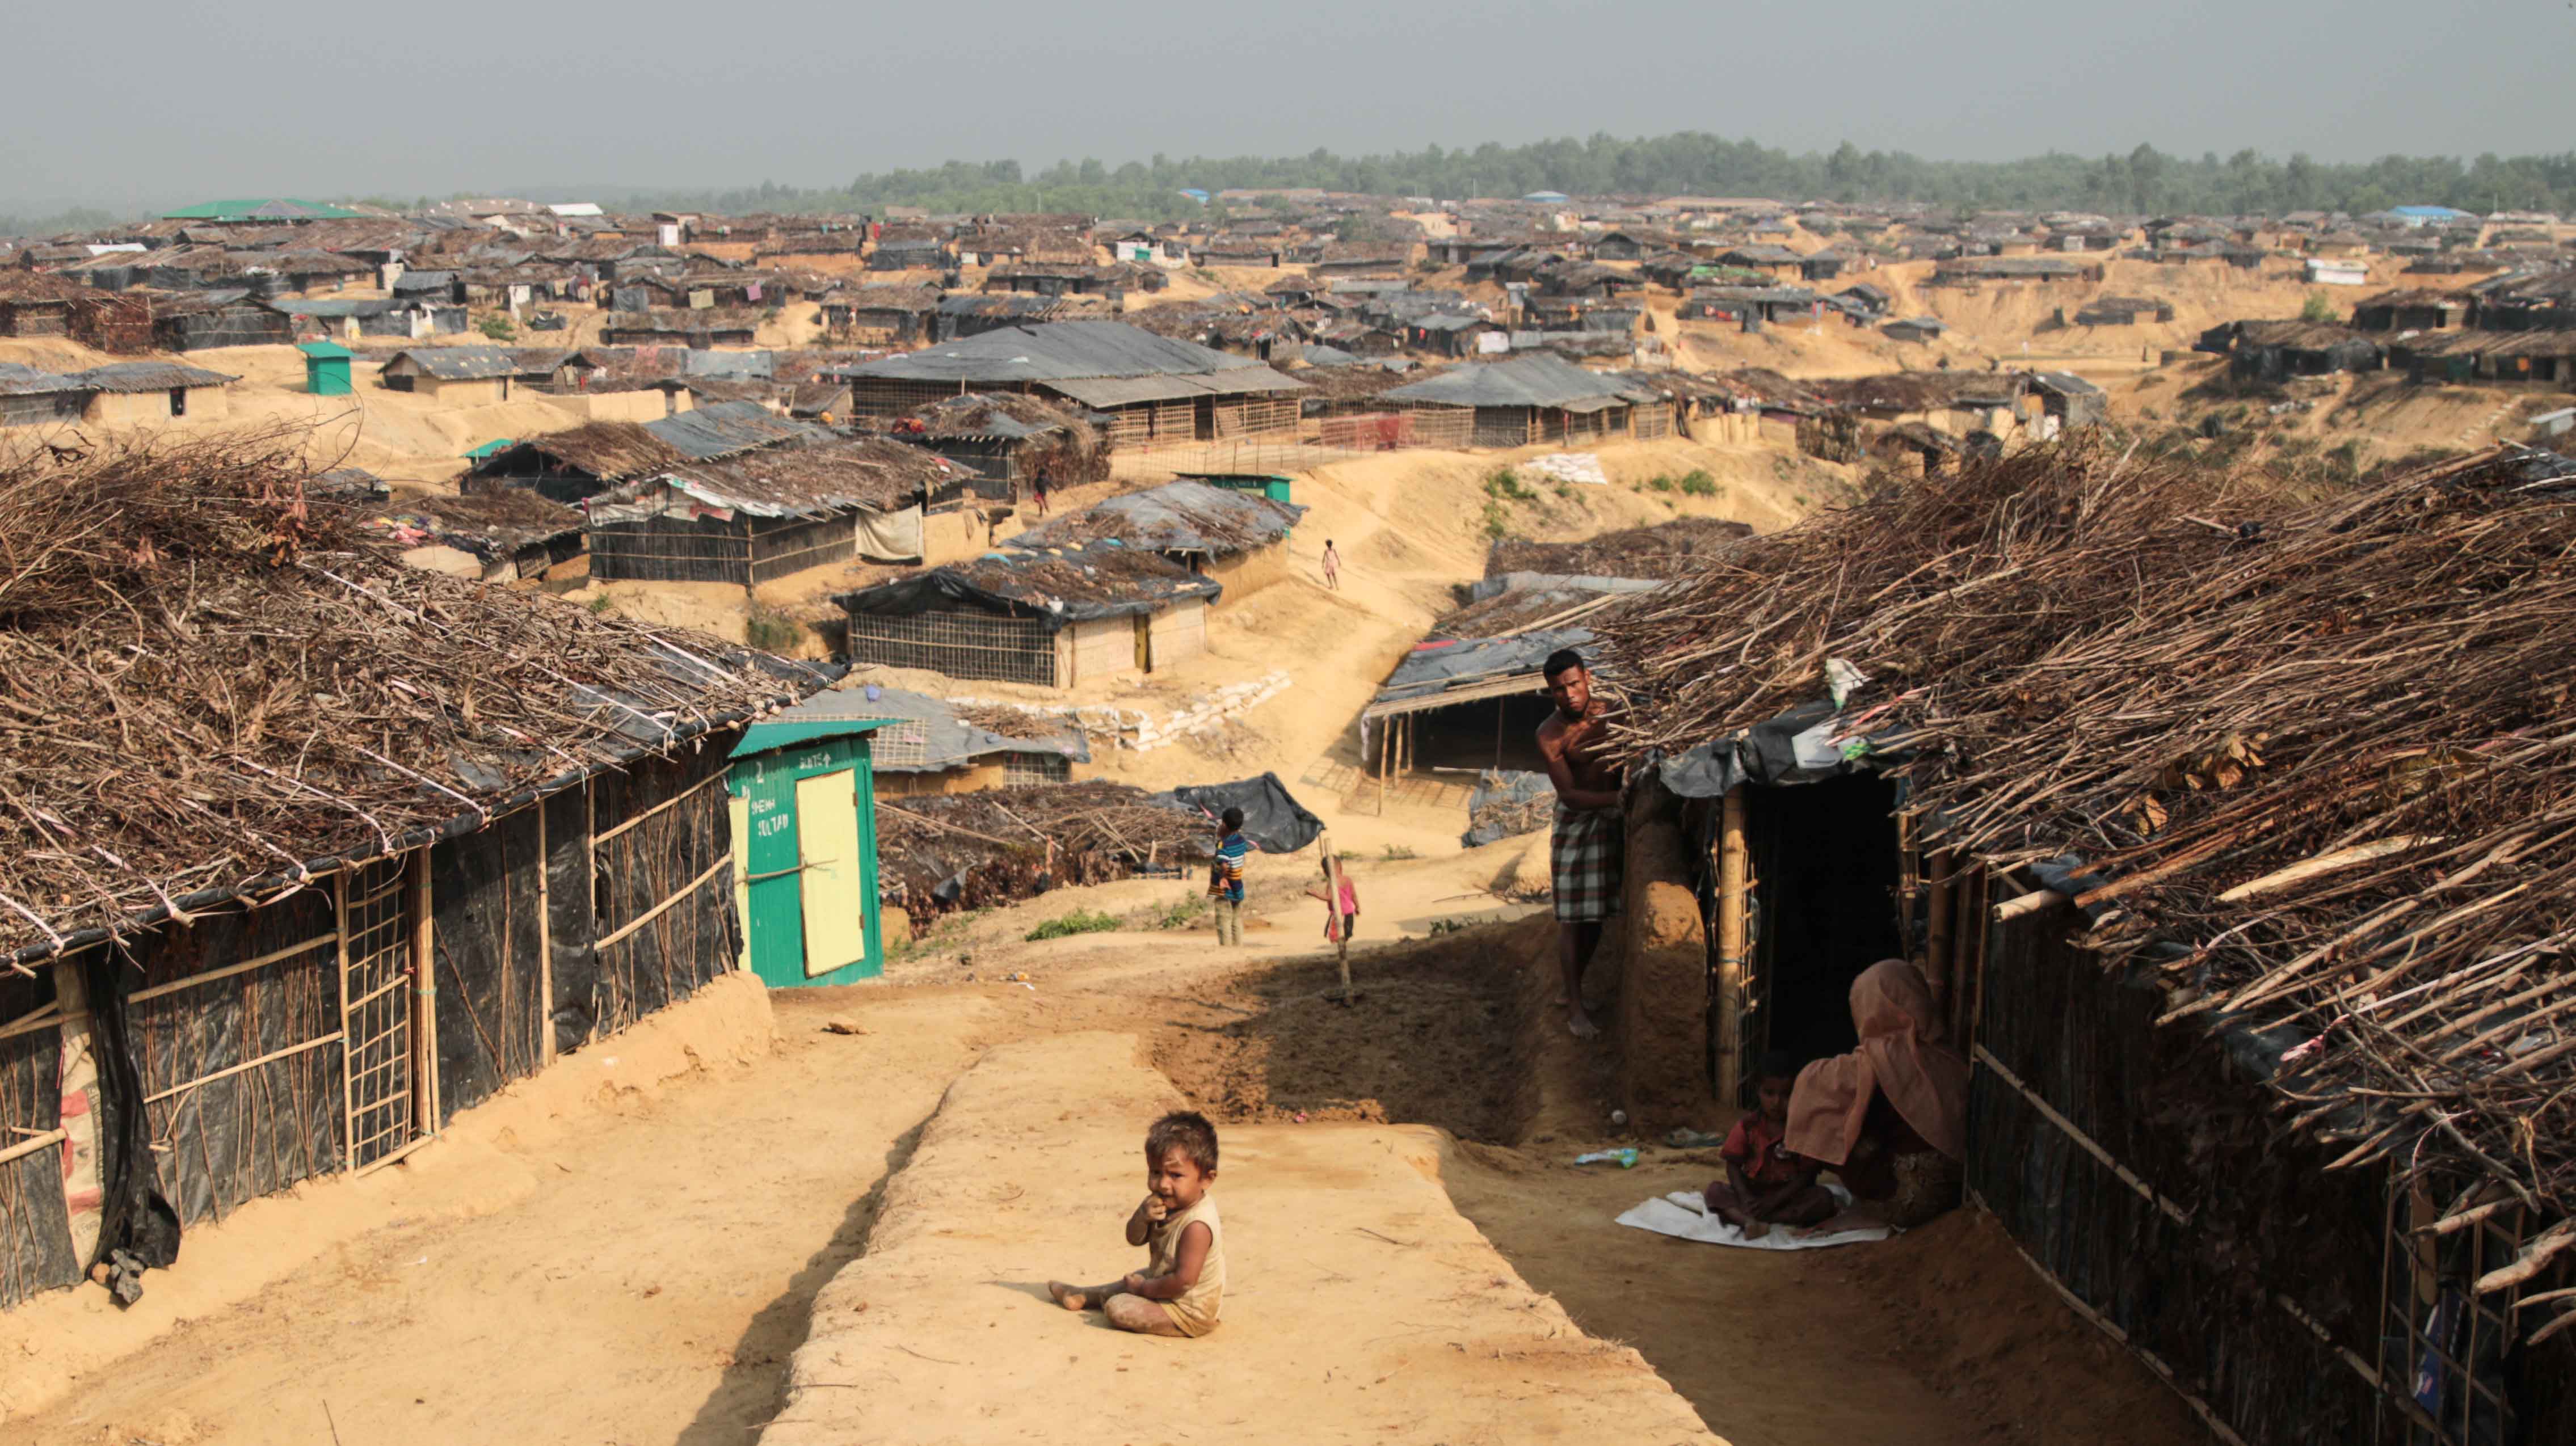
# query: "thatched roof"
x,y
1182,516
1678,548
2322,777
871,473
216,690
490,524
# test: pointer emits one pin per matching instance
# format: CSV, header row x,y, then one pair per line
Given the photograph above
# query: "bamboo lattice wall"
x,y
970,647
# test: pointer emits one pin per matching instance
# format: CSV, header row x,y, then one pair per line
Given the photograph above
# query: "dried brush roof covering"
x,y
1181,516
1679,548
1000,842
2329,751
609,451
1003,414
872,473
489,524
215,690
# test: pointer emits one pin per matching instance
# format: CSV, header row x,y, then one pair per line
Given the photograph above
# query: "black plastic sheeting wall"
x,y
576,957
2264,1218
225,1141
35,1225
486,937
691,942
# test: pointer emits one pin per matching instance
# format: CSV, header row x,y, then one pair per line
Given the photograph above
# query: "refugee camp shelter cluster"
x,y
1230,535
763,514
1055,618
2248,910
1472,694
376,843
1147,388
1538,397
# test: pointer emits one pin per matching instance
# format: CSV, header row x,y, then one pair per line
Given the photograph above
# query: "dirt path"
x,y
648,1289
653,1276
1359,1305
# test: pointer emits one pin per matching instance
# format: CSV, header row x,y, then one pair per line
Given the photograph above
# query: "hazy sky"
x,y
177,100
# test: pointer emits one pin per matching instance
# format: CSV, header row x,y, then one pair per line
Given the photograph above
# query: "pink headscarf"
x,y
1926,1082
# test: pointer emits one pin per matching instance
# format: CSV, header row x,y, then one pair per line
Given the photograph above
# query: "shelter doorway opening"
x,y
1490,733
1823,908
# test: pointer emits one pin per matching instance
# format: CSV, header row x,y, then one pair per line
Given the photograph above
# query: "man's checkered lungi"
x,y
1587,846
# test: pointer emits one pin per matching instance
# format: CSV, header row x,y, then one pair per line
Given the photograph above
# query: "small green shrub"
x,y
498,327
1659,483
1697,483
1506,486
1080,921
1398,851
771,631
1498,523
600,605
2318,307
1180,912
1446,926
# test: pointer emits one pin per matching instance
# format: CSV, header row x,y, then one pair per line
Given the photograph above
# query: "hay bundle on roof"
x,y
2329,750
213,685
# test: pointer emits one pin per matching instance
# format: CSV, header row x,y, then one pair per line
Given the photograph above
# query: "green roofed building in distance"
x,y
268,210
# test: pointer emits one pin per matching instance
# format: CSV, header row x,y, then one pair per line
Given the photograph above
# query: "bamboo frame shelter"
x,y
304,850
759,517
2246,823
1491,651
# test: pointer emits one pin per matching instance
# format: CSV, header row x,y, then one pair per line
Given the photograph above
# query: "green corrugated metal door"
x,y
775,920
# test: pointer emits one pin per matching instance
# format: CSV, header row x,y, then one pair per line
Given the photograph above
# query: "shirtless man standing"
x,y
1587,844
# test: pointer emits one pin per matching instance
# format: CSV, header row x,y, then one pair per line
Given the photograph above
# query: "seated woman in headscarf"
x,y
1889,1117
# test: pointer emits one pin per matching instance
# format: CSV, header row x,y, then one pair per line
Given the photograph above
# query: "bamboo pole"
x,y
545,951
348,1056
1731,944
424,1014
2027,905
1936,945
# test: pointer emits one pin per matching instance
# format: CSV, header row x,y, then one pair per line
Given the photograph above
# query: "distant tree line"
x,y
2144,181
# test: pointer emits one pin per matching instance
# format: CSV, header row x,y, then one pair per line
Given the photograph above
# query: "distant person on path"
x,y
1179,1291
1041,486
1332,566
1588,843
1341,901
1765,1185
1225,877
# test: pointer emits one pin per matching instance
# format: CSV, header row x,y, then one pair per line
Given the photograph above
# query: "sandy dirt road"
x,y
657,1268
1359,1306
647,1289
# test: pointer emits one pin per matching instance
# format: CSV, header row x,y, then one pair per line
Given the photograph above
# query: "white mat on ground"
x,y
1681,1214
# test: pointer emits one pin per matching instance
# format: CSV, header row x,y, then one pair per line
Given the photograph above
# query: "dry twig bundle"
x,y
210,684
2329,749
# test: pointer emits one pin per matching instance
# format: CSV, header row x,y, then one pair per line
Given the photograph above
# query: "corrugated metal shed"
x,y
456,363
149,376
728,428
26,381
1535,380
1063,351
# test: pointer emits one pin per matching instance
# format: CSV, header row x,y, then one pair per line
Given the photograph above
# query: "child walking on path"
x,y
1179,1291
1332,566
1341,901
1225,877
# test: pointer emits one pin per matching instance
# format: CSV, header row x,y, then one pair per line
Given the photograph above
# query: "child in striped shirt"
x,y
1225,878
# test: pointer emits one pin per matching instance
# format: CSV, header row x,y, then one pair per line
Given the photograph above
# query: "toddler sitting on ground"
x,y
1178,1291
